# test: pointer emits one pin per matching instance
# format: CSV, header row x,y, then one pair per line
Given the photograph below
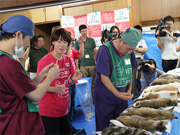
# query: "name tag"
x,y
67,64
87,56
127,62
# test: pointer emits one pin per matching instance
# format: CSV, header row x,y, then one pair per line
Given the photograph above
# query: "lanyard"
x,y
85,48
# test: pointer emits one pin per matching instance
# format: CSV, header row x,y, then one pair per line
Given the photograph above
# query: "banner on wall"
x,y
96,22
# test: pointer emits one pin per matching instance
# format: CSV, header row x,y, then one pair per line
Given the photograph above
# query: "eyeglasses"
x,y
84,30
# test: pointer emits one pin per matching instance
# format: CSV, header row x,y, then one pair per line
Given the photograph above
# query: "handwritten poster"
x,y
68,21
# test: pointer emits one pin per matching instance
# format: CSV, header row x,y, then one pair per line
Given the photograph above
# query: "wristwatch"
x,y
72,80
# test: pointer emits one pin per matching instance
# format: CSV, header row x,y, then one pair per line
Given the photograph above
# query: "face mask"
x,y
15,57
19,52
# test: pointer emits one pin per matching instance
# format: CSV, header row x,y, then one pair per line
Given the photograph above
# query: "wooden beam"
x,y
18,3
85,3
158,19
47,22
131,16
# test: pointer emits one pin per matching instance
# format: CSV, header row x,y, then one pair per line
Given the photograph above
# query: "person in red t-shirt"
x,y
18,112
53,107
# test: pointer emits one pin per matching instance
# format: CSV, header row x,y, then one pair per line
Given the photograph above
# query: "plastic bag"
x,y
85,97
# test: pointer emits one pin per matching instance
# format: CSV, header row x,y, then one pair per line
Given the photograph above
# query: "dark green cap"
x,y
131,37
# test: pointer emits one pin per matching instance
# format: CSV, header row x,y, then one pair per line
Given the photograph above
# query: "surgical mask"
x,y
19,52
15,57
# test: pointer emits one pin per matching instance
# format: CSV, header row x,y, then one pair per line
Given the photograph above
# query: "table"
x,y
173,125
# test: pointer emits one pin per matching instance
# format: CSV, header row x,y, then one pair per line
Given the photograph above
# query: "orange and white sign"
x,y
96,22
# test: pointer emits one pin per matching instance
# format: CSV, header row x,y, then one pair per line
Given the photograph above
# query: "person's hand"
x,y
165,30
45,70
72,38
58,89
54,71
25,55
149,65
81,40
77,75
136,51
139,67
78,70
157,32
125,95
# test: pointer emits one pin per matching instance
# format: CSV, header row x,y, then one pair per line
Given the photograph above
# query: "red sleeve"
x,y
75,53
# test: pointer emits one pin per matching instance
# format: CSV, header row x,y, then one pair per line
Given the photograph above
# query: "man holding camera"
x,y
167,43
149,72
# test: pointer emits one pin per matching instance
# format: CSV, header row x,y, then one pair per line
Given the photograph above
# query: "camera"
x,y
106,34
176,34
145,67
160,27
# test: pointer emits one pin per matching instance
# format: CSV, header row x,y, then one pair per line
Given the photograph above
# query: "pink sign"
x,y
107,17
78,20
71,29
94,30
122,25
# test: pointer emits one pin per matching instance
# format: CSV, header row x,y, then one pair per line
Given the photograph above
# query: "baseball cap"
x,y
131,37
19,23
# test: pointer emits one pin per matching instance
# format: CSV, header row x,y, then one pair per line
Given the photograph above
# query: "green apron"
x,y
122,68
32,106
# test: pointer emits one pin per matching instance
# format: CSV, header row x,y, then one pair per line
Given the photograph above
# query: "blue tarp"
x,y
153,51
174,125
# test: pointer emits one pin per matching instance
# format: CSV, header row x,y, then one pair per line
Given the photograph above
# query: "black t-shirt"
x,y
35,55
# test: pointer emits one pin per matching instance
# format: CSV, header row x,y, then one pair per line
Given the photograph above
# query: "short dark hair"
x,y
7,35
168,18
138,27
39,36
32,41
114,27
60,33
82,27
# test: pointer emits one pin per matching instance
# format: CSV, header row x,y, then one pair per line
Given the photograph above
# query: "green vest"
x,y
122,68
32,106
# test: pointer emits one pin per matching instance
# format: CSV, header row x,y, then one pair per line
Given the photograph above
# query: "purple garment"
x,y
150,77
107,105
